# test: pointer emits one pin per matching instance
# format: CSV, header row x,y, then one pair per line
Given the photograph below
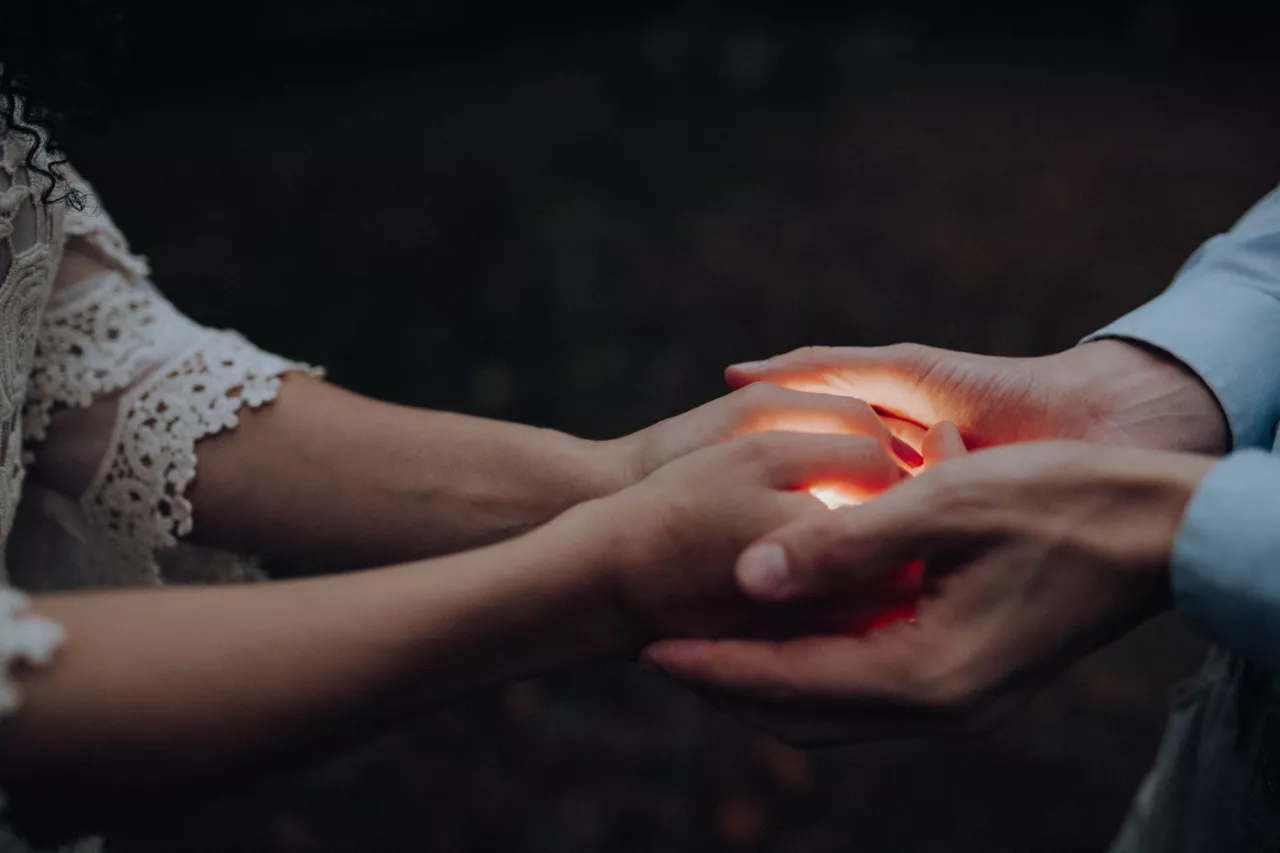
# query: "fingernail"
x,y
907,453
763,571
750,366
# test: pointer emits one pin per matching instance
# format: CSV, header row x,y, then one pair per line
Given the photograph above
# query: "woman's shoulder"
x,y
54,193
25,163
29,224
29,212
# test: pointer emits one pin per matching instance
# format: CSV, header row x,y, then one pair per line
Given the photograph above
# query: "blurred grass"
x,y
583,238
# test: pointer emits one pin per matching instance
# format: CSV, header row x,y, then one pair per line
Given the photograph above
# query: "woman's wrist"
x,y
608,466
587,551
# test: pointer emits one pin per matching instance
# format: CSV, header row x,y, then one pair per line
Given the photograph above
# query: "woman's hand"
x,y
761,407
669,543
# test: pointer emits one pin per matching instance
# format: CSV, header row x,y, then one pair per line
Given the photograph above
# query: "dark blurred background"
x,y
575,215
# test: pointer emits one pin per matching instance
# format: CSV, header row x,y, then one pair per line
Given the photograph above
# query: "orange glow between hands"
x,y
902,594
834,496
904,612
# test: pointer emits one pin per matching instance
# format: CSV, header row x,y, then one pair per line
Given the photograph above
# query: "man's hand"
x,y
1033,556
1107,392
667,546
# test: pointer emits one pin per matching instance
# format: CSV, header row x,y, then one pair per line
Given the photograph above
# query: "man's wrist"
x,y
1150,492
1141,395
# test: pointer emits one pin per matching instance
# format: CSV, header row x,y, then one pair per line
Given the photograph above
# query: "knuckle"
x,y
828,547
855,409
810,354
760,397
876,467
904,348
757,393
909,352
756,448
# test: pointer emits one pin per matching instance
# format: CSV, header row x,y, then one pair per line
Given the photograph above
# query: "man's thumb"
x,y
836,552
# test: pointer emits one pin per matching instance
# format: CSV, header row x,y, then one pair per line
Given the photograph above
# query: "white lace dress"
x,y
105,390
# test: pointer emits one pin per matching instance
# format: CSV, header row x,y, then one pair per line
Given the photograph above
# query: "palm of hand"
x,y
1106,392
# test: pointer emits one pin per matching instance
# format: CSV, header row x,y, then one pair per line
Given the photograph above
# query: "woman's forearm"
x,y
165,690
330,479
334,480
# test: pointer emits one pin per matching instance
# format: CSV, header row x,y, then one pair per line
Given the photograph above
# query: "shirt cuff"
x,y
1226,559
1227,335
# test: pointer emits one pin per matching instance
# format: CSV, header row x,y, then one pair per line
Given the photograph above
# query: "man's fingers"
x,y
827,689
843,550
759,669
886,377
890,599
876,669
806,727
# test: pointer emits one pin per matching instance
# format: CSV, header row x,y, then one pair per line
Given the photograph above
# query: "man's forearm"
x,y
329,478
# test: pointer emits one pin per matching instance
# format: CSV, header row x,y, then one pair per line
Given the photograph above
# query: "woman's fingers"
x,y
942,442
909,431
889,378
773,408
858,466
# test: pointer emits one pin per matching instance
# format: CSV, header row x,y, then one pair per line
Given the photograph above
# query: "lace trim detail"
x,y
25,638
27,260
97,344
138,496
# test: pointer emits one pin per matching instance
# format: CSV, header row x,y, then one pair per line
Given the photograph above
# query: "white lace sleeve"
x,y
24,639
130,386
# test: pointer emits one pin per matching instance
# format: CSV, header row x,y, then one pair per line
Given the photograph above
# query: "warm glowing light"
x,y
834,496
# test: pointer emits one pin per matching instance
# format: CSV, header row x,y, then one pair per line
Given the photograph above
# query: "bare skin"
x,y
1031,555
171,690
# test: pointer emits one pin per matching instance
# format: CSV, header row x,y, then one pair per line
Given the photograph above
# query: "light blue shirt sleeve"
x,y
1221,318
1226,559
